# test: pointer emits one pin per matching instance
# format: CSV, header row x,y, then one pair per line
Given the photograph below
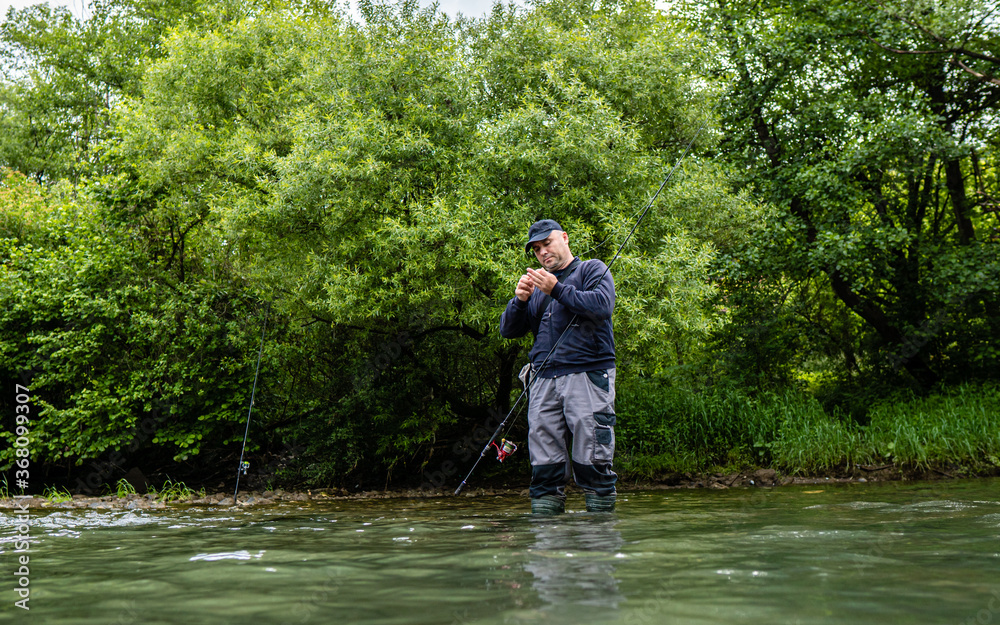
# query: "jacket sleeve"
x,y
596,300
514,322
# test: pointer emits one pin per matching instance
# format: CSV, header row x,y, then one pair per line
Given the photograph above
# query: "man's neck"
x,y
568,264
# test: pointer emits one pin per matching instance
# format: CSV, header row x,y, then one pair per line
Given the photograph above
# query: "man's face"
x,y
553,251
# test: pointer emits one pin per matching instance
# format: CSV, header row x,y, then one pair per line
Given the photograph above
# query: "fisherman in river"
x,y
571,414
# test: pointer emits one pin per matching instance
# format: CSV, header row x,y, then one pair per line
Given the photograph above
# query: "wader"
x,y
571,420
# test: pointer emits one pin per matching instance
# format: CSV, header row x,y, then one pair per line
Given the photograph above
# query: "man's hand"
x,y
542,280
524,288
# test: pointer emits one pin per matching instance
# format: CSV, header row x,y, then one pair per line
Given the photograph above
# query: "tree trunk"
x,y
908,354
508,359
959,201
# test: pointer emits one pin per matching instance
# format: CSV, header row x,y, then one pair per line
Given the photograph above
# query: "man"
x,y
571,415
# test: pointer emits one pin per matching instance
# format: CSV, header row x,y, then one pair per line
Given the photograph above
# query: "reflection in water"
x,y
572,560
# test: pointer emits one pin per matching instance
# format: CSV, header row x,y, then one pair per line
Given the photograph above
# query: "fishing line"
x,y
243,466
590,250
569,328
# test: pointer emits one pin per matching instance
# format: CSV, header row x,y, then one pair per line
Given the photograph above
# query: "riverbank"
x,y
759,478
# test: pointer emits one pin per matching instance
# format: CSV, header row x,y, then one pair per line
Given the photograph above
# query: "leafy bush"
x,y
121,355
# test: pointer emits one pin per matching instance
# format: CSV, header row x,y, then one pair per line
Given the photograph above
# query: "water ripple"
x,y
242,554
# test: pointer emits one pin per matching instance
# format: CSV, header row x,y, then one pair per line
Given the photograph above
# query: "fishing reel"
x,y
504,449
244,466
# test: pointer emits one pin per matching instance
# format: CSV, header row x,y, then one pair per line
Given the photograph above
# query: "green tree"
x,y
874,136
377,179
62,77
119,356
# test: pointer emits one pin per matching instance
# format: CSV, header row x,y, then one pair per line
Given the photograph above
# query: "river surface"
x,y
827,554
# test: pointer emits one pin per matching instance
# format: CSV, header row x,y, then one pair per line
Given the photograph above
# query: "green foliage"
x,y
832,235
814,441
881,166
672,430
959,427
122,356
173,491
62,77
704,429
123,488
57,495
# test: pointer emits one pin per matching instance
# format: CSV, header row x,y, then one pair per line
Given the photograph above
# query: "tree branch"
x,y
898,51
965,67
461,327
956,51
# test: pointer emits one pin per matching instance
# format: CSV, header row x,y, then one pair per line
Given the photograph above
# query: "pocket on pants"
x,y
600,379
604,436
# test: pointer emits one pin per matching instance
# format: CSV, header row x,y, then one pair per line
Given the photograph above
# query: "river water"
x,y
826,554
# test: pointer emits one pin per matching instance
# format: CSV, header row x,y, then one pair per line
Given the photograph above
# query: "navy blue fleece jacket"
x,y
587,292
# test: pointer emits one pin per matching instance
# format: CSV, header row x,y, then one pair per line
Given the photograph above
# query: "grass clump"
x,y
57,495
173,491
124,488
663,430
652,467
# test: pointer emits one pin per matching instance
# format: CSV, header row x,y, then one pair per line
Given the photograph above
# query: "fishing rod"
x,y
502,453
242,469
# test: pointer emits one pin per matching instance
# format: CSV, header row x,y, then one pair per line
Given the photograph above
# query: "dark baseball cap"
x,y
539,231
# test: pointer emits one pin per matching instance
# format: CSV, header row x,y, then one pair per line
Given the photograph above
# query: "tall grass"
x,y
663,430
811,440
173,491
124,488
961,427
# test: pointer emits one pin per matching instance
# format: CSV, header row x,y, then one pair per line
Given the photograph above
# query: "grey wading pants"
x,y
572,413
